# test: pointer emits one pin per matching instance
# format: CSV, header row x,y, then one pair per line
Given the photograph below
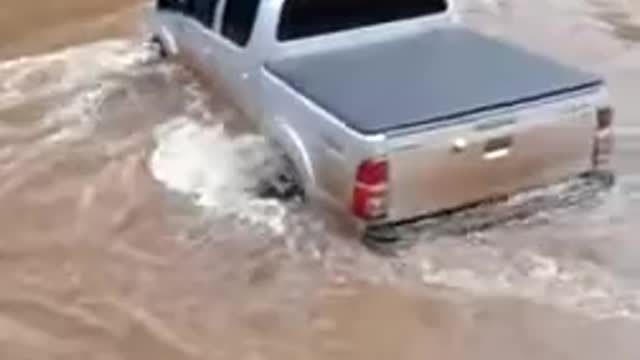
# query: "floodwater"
x,y
127,232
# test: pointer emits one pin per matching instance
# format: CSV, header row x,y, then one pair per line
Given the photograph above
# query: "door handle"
x,y
498,148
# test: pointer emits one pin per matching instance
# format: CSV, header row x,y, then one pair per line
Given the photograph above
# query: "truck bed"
x,y
426,80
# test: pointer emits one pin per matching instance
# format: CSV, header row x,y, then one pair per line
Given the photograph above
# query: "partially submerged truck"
x,y
391,110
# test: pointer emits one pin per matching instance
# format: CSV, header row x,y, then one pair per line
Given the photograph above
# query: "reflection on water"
x,y
129,230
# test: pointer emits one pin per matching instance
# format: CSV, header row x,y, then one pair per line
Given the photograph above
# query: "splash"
x,y
217,171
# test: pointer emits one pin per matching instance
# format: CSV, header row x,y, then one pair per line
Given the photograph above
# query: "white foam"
x,y
216,170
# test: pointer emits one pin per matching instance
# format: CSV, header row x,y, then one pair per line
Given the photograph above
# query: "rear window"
x,y
304,18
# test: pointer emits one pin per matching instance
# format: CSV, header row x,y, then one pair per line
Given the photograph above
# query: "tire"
x,y
284,184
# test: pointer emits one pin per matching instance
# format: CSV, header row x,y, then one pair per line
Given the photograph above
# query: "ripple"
x,y
37,77
572,285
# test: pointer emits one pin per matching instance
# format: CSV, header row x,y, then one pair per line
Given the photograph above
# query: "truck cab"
x,y
244,35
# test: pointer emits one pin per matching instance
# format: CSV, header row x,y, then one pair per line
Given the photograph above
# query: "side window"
x,y
239,19
204,11
172,5
306,18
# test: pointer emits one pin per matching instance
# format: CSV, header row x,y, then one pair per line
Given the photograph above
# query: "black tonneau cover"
x,y
428,79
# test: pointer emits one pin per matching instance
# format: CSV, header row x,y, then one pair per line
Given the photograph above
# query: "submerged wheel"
x,y
284,184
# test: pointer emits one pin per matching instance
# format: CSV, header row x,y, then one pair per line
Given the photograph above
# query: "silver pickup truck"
x,y
390,110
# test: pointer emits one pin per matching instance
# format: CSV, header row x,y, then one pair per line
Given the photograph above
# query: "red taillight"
x,y
372,172
603,145
370,191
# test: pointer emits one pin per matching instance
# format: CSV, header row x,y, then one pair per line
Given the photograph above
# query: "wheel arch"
x,y
292,143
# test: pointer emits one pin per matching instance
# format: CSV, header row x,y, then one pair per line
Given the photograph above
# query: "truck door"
x,y
236,62
203,11
219,44
196,33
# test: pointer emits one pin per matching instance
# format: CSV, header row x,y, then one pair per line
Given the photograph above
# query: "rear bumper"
x,y
577,189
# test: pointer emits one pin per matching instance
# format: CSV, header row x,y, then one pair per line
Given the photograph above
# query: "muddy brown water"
x,y
127,232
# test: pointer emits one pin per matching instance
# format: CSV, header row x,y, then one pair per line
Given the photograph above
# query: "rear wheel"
x,y
284,183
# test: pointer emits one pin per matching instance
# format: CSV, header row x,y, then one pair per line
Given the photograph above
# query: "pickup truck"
x,y
392,110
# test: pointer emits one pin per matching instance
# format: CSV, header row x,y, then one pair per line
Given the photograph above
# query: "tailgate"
x,y
499,154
